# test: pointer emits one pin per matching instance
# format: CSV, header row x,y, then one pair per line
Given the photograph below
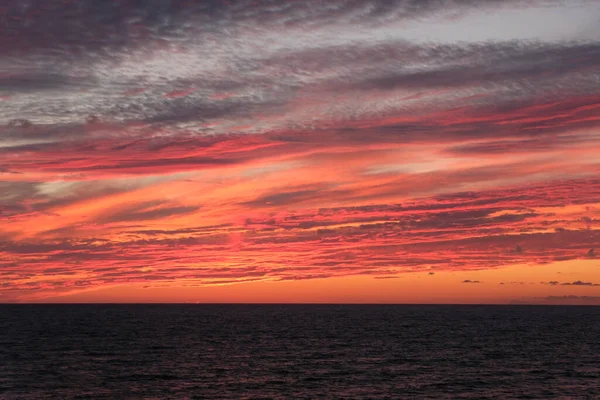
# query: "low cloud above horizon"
x,y
194,144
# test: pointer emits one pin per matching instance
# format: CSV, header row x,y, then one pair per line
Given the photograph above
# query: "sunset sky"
x,y
371,151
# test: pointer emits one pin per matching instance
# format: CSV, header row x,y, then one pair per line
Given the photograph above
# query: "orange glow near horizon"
x,y
510,285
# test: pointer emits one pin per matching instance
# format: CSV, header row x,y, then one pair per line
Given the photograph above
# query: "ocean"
x,y
196,351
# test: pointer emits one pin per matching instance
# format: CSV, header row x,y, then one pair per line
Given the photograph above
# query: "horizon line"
x,y
299,304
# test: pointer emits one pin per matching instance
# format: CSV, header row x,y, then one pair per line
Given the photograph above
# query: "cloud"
x,y
284,198
146,212
453,232
470,281
276,69
575,283
293,140
33,82
580,283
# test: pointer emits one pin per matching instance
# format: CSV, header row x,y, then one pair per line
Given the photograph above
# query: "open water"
x,y
298,351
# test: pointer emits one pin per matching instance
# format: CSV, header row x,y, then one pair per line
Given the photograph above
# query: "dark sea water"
x,y
298,351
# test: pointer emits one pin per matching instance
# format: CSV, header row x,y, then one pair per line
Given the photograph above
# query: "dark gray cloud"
x,y
228,74
494,64
580,283
574,283
35,81
146,211
286,198
108,26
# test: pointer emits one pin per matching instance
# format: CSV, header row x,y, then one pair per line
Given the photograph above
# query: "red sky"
x,y
300,152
